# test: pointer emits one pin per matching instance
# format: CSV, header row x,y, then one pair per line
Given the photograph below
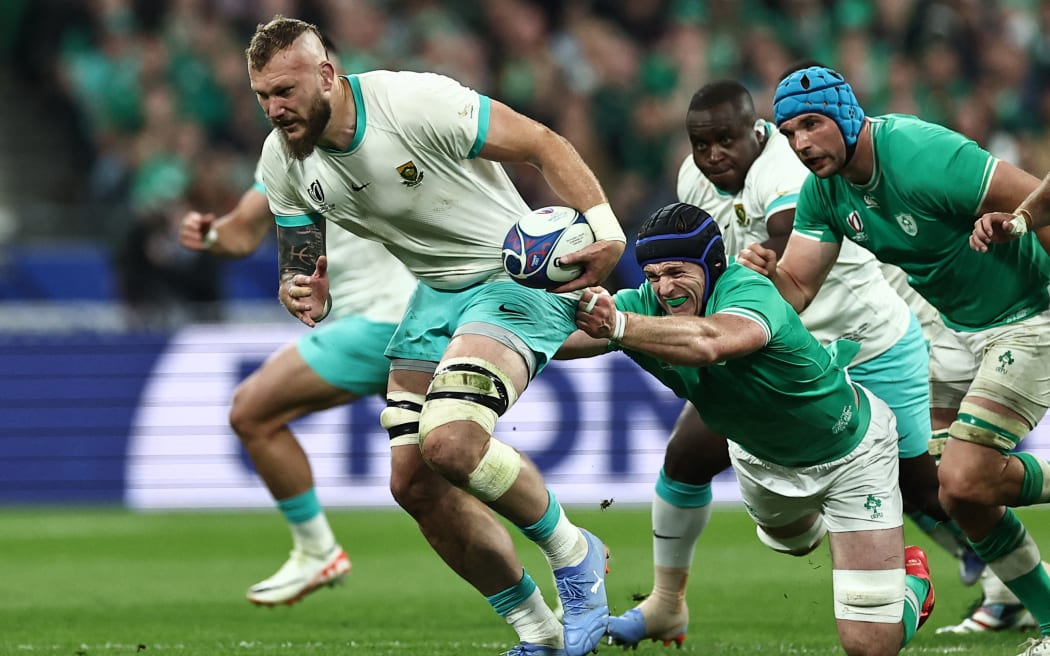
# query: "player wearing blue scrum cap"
x,y
814,452
909,191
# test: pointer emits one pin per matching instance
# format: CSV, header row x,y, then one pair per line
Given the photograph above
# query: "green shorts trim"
x,y
538,318
348,354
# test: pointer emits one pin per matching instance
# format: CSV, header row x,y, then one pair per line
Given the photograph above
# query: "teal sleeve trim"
x,y
297,221
781,203
484,113
682,495
259,187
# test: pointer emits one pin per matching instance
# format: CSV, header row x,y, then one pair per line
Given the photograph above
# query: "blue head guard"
x,y
819,90
683,232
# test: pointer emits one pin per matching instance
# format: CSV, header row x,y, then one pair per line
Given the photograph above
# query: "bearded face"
x,y
300,133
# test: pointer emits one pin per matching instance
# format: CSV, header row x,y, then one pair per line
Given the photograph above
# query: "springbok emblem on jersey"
x,y
410,174
741,215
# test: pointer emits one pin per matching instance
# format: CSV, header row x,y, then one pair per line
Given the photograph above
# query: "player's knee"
x,y
244,415
466,395
796,545
869,595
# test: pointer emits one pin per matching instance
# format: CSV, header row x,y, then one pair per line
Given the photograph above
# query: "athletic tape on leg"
x,y
869,595
400,418
496,472
798,545
466,389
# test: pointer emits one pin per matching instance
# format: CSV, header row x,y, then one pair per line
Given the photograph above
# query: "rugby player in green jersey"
x,y
909,191
814,452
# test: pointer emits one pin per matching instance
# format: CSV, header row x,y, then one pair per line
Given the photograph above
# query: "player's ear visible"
x,y
327,75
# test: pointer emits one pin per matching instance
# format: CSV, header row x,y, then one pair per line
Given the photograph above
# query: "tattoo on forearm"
x,y
298,249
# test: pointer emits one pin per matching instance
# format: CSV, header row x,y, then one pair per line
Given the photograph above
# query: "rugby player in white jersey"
x,y
744,173
333,365
412,161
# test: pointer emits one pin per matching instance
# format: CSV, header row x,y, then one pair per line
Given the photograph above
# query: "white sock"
x,y
683,526
314,536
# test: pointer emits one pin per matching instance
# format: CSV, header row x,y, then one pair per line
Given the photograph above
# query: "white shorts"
x,y
858,492
1007,364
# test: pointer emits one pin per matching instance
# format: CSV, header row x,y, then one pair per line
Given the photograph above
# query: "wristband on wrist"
x,y
210,238
619,326
604,224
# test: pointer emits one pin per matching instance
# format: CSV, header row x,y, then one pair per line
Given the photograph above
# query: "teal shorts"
x,y
900,376
348,354
541,320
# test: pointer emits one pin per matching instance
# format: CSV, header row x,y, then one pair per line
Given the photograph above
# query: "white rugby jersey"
x,y
855,301
409,180
364,278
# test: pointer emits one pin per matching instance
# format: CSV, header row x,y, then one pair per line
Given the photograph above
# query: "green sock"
x,y
916,590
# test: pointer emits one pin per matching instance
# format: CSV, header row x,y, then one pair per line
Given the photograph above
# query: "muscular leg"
x,y
283,389
868,551
977,483
463,531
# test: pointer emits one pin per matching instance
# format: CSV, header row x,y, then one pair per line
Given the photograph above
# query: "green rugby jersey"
x,y
918,211
789,402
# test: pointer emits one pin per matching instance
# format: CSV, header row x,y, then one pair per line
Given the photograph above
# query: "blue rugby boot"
x,y
581,589
630,629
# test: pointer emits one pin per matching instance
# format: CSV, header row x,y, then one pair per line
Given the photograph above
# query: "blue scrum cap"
x,y
819,90
683,232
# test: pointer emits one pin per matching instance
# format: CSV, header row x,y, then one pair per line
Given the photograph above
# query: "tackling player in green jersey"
x,y
814,452
909,191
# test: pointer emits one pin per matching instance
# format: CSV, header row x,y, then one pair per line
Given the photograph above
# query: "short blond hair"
x,y
275,36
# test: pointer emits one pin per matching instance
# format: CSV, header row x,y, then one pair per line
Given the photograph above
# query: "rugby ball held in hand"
x,y
533,247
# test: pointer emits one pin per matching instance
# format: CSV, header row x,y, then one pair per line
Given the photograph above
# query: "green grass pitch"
x,y
87,582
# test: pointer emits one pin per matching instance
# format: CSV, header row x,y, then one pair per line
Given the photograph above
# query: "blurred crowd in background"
x,y
150,112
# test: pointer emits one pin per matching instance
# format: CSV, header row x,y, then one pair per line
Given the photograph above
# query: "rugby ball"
x,y
534,245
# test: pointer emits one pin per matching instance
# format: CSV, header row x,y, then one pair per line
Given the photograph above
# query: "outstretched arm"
x,y
513,137
679,340
234,235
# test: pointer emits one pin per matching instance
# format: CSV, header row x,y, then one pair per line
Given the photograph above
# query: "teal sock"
x,y
506,600
300,508
682,495
543,529
916,591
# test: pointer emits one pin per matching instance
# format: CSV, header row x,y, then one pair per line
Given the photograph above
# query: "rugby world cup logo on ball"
x,y
533,247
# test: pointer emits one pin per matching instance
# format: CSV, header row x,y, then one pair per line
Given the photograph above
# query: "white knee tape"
x,y
799,545
400,418
466,389
496,472
869,595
